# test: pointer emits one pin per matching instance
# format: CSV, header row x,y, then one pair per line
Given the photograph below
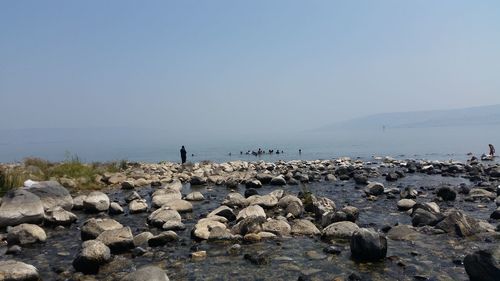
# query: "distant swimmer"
x,y
300,151
492,150
183,154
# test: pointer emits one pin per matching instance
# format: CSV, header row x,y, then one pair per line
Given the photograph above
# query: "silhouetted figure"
x,y
300,151
183,154
492,150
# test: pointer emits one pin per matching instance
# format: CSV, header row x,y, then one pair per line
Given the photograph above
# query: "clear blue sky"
x,y
229,66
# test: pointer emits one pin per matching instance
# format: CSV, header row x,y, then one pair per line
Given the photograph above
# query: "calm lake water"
x,y
154,146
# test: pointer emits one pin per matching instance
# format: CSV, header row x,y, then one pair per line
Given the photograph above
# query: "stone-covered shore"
x,y
381,220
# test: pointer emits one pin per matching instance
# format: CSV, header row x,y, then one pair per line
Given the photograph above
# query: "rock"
x,y
26,234
116,178
496,214
203,227
368,245
234,199
392,176
479,193
278,180
254,210
252,237
131,196
360,178
162,238
304,227
198,180
408,193
142,238
128,185
250,192
92,227
295,209
456,222
66,182
279,227
93,254
173,225
287,200
340,230
150,273
247,225
234,249
219,234
423,217
159,217
14,250
195,196
59,216
319,205
138,206
96,201
115,208
179,205
52,194
446,193
403,232
374,188
330,177
223,211
264,178
266,201
118,240
20,206
352,213
258,258
11,270
406,204
482,266
200,255
163,196
78,202
253,184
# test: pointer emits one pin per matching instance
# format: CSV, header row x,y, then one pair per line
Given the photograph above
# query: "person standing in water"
x,y
492,150
183,154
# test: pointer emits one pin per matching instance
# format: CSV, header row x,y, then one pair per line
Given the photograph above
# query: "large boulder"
x,y
92,227
137,206
223,211
483,265
368,245
179,205
422,217
93,254
278,227
150,273
26,234
340,230
163,196
374,188
11,270
234,199
52,194
456,222
118,240
96,201
304,227
203,228
266,201
278,180
20,206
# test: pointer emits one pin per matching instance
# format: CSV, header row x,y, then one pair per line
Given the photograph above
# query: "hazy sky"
x,y
231,66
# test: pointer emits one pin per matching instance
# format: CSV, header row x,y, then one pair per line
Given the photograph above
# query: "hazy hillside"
x,y
483,115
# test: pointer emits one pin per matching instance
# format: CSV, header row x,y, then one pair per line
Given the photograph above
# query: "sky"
x,y
225,67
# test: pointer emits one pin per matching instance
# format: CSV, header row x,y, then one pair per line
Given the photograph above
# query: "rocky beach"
x,y
340,219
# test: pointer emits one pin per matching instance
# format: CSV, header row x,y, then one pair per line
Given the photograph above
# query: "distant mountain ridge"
x,y
481,115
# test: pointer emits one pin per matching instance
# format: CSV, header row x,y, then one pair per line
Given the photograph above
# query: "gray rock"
x,y
278,180
159,217
456,222
96,201
141,239
52,194
265,201
59,216
92,227
482,265
118,240
20,206
295,209
304,227
374,188
253,184
131,196
479,193
138,206
250,211
162,196
340,230
408,193
223,211
93,254
78,202
496,214
173,225
279,227
203,227
406,204
368,245
234,199
128,185
422,217
115,208
403,232
251,224
446,193
26,234
162,239
195,196
179,205
150,273
11,270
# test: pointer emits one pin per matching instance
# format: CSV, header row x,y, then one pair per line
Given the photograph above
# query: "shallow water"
x,y
432,256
